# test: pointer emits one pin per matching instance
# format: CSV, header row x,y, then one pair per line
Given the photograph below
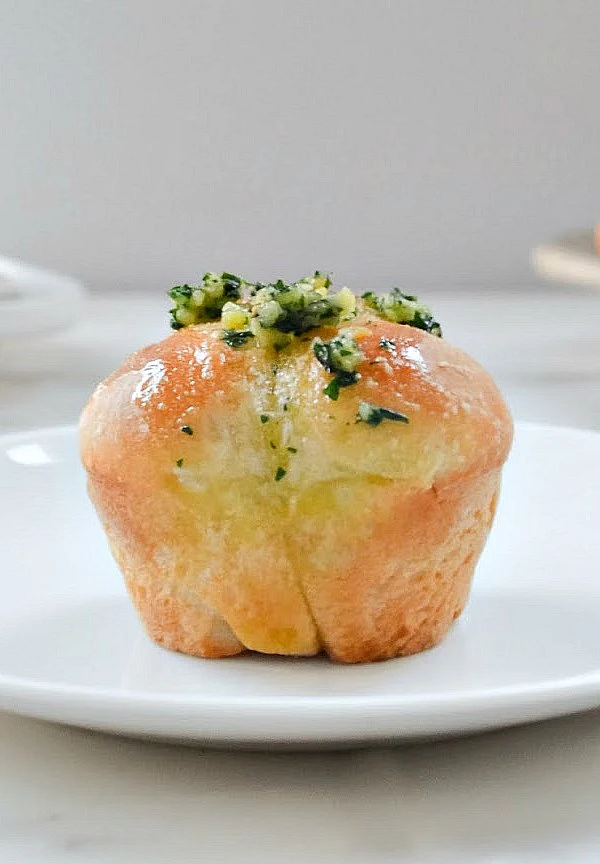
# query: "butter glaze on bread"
x,y
366,546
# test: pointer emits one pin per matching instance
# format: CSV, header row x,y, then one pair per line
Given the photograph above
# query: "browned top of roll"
x,y
245,409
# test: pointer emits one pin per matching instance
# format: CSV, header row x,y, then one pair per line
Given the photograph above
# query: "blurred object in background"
x,y
35,301
40,312
574,258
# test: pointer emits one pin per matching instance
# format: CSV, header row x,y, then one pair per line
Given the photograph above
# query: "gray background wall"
x,y
419,142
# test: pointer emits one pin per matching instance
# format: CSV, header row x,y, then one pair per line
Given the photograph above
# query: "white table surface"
x,y
522,795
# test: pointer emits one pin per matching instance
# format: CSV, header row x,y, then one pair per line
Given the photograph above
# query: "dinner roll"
x,y
291,483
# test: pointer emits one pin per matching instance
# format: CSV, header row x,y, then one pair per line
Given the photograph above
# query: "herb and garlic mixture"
x,y
341,356
251,309
402,309
197,304
275,316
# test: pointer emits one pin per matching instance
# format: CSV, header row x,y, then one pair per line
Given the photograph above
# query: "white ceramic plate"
x,y
528,646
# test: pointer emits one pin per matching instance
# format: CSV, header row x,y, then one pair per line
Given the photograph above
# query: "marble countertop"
x,y
522,795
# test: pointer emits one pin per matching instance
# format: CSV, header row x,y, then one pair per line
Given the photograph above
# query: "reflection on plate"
x,y
528,646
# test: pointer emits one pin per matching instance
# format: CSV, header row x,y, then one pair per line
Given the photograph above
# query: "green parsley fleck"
x,y
333,389
372,415
188,430
264,418
280,474
292,449
179,463
273,445
236,338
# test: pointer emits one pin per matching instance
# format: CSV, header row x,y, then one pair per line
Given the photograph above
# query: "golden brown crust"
x,y
406,578
365,548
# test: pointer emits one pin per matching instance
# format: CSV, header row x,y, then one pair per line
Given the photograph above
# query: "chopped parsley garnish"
x,y
333,389
280,474
264,418
196,304
179,463
296,307
273,445
292,449
188,430
231,285
402,309
236,338
373,415
277,313
341,356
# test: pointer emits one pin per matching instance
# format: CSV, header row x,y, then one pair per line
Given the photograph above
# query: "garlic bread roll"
x,y
251,506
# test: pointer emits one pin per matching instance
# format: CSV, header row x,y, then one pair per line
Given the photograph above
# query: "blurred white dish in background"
x,y
528,646
573,258
34,301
